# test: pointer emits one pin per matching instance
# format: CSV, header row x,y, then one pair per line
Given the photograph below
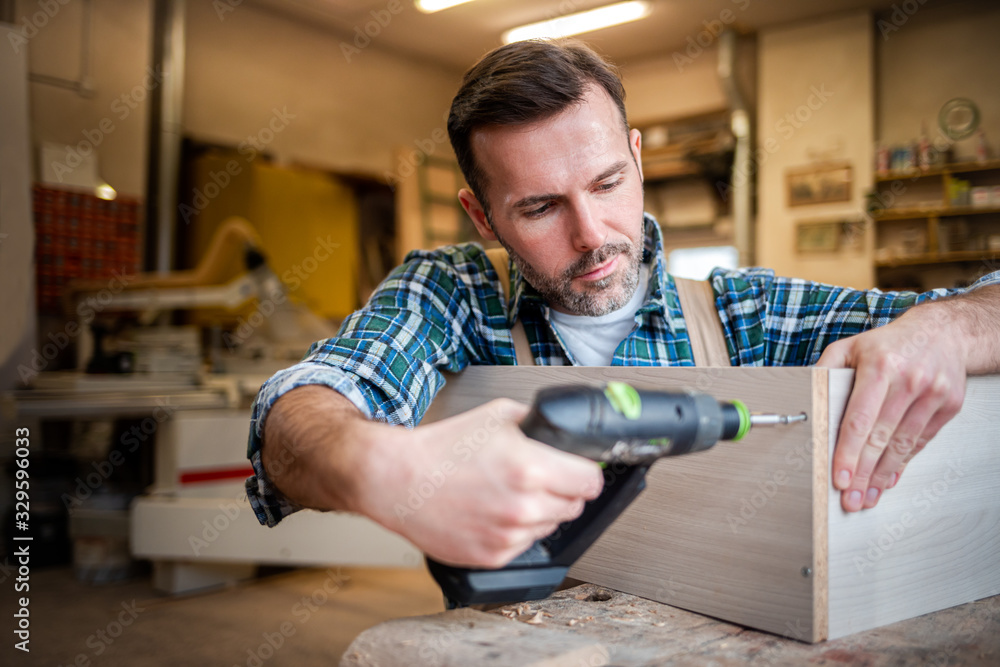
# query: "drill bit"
x,y
775,420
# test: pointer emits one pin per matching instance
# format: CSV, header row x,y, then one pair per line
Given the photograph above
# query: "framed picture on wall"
x,y
817,236
819,183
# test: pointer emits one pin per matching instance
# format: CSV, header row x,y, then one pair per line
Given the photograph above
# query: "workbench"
x,y
592,626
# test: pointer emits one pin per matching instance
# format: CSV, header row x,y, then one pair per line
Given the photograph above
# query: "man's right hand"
x,y
473,490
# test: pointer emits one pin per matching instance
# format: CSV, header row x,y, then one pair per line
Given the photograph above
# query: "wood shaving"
x,y
537,618
660,624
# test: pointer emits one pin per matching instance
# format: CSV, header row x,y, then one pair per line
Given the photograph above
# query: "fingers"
x,y
570,476
855,451
477,475
836,355
911,415
506,409
909,381
520,526
903,442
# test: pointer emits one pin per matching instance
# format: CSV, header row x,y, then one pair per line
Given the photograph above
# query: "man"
x,y
555,176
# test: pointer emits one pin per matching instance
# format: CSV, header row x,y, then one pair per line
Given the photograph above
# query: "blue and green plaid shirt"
x,y
443,310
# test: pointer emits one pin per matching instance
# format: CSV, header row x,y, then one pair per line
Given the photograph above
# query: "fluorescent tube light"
x,y
574,24
431,6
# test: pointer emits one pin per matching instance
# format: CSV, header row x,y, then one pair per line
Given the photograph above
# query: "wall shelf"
x,y
938,244
953,168
955,256
918,213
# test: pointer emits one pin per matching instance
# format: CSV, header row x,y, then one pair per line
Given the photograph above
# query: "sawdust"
x,y
537,616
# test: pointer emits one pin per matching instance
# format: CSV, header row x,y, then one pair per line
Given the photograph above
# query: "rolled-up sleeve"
x,y
387,358
269,504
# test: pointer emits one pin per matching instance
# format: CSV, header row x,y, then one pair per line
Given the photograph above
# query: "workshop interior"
x,y
193,192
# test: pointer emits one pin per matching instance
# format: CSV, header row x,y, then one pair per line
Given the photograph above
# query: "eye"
x,y
540,211
606,187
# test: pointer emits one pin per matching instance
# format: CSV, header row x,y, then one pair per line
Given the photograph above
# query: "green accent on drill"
x,y
660,442
624,399
744,419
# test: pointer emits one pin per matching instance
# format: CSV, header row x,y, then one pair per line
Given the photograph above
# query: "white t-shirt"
x,y
592,341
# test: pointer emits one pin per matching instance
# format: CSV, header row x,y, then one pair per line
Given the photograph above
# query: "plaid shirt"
x,y
444,310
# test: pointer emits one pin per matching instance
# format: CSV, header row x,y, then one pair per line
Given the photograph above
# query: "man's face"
x,y
566,202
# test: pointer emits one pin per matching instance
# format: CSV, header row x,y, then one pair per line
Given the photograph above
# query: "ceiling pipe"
x,y
165,133
742,173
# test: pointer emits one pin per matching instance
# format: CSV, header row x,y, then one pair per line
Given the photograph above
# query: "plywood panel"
x,y
727,532
934,540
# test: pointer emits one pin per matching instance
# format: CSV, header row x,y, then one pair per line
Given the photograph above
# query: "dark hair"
x,y
520,83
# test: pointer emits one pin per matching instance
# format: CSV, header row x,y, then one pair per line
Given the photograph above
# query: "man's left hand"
x,y
909,382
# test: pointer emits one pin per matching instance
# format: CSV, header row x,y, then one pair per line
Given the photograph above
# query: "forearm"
x,y
486,504
317,445
973,319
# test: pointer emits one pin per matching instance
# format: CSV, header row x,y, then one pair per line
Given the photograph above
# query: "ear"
x,y
475,210
635,145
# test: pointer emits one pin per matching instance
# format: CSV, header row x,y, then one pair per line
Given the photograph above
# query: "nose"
x,y
588,231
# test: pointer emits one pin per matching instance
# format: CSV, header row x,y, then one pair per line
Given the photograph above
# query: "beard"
x,y
597,298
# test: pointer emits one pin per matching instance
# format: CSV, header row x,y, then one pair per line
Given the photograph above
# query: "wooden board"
x,y
934,540
752,532
592,626
727,532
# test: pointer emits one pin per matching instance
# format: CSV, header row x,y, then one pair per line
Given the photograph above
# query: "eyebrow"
x,y
534,200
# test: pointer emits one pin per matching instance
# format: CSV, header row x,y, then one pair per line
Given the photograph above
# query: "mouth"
x,y
602,270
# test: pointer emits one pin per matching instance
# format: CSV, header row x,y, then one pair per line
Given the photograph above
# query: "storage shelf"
x,y
954,168
939,258
918,212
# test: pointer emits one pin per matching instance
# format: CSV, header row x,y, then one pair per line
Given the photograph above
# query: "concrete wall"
x,y
816,103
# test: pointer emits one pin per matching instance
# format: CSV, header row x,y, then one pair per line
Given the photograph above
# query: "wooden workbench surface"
x,y
590,626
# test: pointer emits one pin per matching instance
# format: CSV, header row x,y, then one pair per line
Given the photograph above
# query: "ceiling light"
x,y
105,192
574,24
431,6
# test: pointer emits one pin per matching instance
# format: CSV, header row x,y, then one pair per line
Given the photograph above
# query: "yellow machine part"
x,y
308,221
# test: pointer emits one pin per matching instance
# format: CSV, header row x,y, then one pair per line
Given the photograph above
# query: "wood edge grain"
x,y
820,500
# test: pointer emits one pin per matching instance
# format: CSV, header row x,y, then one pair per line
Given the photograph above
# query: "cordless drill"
x,y
615,424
